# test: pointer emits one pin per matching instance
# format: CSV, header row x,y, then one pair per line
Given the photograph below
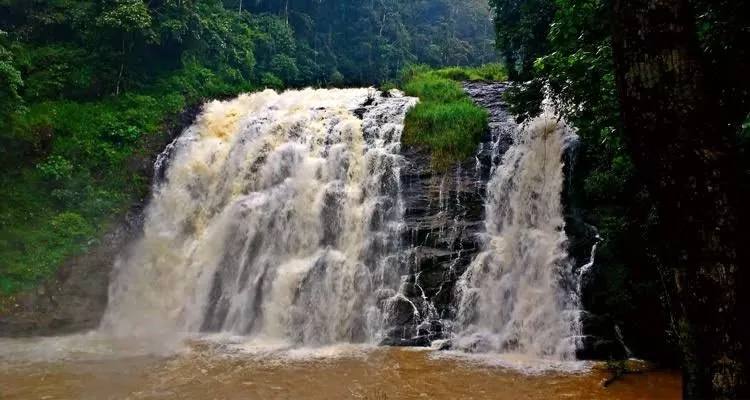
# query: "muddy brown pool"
x,y
216,372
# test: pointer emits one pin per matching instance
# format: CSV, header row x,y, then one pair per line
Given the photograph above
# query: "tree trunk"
x,y
286,12
687,154
122,69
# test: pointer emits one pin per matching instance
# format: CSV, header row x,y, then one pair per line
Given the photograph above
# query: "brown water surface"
x,y
376,374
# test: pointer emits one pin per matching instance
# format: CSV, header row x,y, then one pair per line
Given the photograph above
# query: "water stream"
x,y
279,216
513,298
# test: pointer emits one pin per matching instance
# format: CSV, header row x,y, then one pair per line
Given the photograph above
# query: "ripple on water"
x,y
224,367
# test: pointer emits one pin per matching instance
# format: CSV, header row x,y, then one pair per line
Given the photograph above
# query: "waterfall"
x,y
516,295
274,215
282,216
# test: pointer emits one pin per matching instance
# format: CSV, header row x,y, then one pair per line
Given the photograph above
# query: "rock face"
x,y
75,298
445,219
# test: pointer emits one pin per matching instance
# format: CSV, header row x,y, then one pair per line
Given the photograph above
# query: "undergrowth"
x,y
446,121
78,169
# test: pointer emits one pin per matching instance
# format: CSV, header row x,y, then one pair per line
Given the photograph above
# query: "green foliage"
x,y
126,15
269,80
446,121
488,72
568,55
369,42
451,130
337,78
433,87
522,28
59,205
10,84
87,85
73,226
55,169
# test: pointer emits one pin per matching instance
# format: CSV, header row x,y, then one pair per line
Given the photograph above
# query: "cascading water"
x,y
515,295
282,217
279,216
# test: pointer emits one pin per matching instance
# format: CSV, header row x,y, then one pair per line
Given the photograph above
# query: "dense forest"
x,y
662,168
92,85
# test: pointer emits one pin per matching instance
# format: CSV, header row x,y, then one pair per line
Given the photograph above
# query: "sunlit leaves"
x,y
10,83
128,15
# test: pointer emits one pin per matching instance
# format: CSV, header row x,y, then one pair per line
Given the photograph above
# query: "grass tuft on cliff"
x,y
446,121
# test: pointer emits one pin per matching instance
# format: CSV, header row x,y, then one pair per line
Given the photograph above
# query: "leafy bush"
x,y
55,169
271,81
74,226
491,72
454,73
337,78
411,71
388,86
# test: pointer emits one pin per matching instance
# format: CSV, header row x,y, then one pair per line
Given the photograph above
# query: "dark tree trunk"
x,y
684,148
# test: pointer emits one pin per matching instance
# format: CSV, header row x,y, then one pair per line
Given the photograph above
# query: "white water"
x,y
279,217
514,298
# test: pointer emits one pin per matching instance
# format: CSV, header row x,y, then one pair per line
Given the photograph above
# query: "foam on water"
x,y
516,296
518,362
279,216
90,346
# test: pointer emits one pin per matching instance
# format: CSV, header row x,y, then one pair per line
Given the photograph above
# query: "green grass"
x,y
487,72
446,121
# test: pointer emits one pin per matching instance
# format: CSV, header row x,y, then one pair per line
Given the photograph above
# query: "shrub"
x,y
452,131
486,72
55,169
434,89
445,121
271,81
454,73
491,72
337,79
79,182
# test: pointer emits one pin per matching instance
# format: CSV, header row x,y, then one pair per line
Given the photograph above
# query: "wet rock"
x,y
401,312
442,345
360,112
445,214
397,341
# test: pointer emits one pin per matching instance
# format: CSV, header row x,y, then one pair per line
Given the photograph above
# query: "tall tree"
x,y
684,142
522,27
